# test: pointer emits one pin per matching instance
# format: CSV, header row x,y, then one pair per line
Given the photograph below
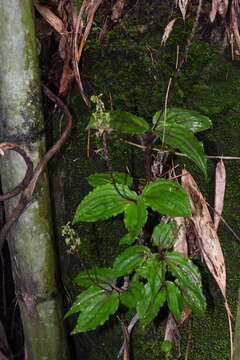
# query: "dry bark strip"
x,y
51,18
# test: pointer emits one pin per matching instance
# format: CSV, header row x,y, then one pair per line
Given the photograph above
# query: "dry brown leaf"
x,y
50,17
183,7
167,31
220,184
81,32
213,12
208,241
223,7
218,6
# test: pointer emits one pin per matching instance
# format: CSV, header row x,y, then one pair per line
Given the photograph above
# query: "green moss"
x,y
134,69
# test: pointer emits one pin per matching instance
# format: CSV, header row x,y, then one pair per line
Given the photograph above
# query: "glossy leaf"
x,y
125,122
95,276
188,278
97,312
154,271
130,259
150,304
178,137
133,294
164,235
128,239
86,297
183,269
190,119
166,197
98,179
103,202
135,217
174,299
195,300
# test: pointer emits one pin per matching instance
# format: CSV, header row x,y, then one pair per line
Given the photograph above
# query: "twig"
x,y
165,110
129,329
181,154
110,168
126,343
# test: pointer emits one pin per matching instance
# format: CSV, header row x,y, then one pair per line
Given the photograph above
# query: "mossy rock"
x,y
135,69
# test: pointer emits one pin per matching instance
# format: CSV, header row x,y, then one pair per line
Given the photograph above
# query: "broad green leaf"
x,y
150,304
130,259
128,239
97,312
164,235
154,271
86,297
125,122
178,137
190,119
135,217
95,276
105,178
133,294
103,202
184,270
188,279
174,299
166,197
195,300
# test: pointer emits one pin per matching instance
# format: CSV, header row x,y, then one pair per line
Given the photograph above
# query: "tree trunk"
x,y
31,238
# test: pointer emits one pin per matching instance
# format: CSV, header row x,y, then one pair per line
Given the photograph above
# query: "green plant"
x,y
149,272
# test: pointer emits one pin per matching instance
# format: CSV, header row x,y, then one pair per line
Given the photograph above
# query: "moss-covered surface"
x,y
131,69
